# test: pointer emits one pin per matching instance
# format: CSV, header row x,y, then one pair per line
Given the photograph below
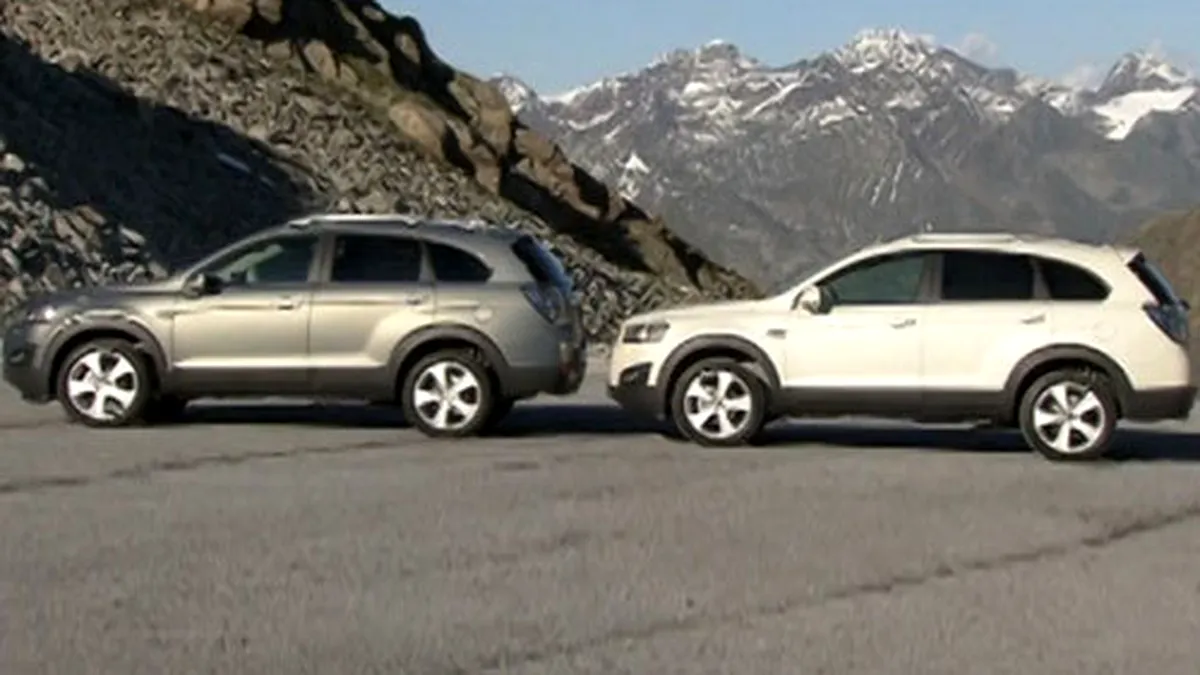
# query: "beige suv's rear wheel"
x,y
1069,415
104,383
448,394
718,402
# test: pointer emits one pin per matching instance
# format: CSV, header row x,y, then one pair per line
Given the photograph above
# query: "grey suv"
x,y
454,321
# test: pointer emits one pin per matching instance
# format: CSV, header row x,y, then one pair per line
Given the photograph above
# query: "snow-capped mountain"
x,y
771,168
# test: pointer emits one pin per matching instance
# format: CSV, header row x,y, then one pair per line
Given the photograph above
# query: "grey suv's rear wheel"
x,y
1069,415
718,402
448,394
104,383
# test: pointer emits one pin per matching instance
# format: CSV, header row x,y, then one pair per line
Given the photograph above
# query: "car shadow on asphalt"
x,y
550,419
1139,445
530,419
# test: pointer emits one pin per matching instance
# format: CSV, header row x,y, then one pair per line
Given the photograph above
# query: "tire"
x,y
1083,433
165,410
105,383
466,414
500,410
744,422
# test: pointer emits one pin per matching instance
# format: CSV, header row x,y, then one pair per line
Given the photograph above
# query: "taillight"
x,y
1170,319
547,301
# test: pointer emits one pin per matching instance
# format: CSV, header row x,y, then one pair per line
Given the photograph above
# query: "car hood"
x,y
87,295
707,310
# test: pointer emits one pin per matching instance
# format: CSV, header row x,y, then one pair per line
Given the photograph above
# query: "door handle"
x,y
1037,318
414,300
904,324
287,303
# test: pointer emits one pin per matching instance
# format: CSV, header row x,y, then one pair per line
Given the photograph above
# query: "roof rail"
x,y
966,237
312,219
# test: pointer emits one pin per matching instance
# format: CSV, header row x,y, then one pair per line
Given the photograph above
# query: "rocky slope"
x,y
888,134
135,134
1172,241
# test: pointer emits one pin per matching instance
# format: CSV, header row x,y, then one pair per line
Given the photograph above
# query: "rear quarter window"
x,y
1065,281
454,265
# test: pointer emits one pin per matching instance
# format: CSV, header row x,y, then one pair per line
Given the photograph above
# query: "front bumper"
x,y
23,364
632,393
1170,403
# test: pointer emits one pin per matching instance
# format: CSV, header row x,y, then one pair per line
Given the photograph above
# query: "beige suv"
x,y
1057,338
454,321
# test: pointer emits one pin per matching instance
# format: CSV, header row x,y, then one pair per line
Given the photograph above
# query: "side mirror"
x,y
202,284
814,300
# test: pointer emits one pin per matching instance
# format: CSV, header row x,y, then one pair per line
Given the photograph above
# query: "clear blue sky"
x,y
557,44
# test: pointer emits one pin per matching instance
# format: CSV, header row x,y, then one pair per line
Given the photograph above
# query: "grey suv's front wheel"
x,y
448,394
104,383
719,402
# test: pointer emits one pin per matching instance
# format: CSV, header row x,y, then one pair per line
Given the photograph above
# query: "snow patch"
x,y
775,98
635,163
1123,112
875,47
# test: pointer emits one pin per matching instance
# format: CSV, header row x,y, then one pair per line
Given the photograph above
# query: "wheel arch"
x,y
694,349
430,339
1055,357
141,338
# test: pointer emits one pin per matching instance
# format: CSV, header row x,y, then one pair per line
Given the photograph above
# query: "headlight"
x,y
40,314
640,333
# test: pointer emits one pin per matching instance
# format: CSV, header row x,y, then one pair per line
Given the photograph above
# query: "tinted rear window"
x,y
1154,280
981,276
543,265
454,265
1068,282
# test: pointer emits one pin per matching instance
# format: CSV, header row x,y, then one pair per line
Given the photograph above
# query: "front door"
x,y
250,337
862,355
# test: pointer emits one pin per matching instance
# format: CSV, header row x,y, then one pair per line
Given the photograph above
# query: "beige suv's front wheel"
x,y
718,402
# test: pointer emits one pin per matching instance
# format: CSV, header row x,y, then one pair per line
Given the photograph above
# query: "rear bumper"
x,y
565,377
1160,404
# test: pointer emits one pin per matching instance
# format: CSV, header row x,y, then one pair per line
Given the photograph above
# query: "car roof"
x,y
462,231
1051,246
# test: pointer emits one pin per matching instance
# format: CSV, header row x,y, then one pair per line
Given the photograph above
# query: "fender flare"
x,y
144,338
691,346
1067,352
423,336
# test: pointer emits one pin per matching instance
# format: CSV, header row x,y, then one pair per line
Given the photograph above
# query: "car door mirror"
x,y
202,284
814,300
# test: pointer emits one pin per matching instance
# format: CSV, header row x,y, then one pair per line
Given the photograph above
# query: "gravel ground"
x,y
325,539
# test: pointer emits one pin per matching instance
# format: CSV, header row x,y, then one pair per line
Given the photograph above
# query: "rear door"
x,y
376,289
988,314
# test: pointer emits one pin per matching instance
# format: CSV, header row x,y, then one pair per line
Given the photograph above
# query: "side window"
x,y
1065,281
280,260
359,258
452,264
983,276
887,280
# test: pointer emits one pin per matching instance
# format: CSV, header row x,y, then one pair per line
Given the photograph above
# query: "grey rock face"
x,y
132,142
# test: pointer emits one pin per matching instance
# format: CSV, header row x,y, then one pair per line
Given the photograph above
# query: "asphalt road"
x,y
325,539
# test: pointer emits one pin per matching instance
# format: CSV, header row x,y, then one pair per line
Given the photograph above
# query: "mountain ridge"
x,y
886,134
